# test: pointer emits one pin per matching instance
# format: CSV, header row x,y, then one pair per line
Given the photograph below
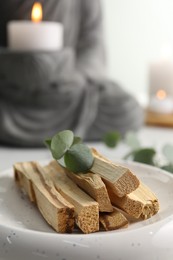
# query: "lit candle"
x,y
161,76
35,34
161,103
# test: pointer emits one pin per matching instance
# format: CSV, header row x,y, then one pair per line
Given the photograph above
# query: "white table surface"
x,y
149,136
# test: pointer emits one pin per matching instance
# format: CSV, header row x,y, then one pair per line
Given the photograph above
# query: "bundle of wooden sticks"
x,y
103,198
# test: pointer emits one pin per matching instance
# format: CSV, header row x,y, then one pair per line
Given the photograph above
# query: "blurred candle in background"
x,y
161,72
161,82
35,34
161,103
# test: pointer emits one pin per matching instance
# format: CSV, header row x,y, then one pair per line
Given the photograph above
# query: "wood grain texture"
x,y
93,185
113,220
140,203
86,208
118,178
56,210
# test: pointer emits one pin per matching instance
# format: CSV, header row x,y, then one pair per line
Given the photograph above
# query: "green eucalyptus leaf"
x,y
145,155
61,142
47,142
167,151
77,140
61,162
111,139
78,158
132,141
168,167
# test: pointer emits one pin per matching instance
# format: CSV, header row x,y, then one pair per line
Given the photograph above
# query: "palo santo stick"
x,y
92,184
113,220
140,203
57,211
120,179
86,209
23,179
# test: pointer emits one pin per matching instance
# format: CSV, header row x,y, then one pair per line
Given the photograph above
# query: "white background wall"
x,y
135,32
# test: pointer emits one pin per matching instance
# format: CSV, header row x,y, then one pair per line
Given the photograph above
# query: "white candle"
x,y
36,34
161,76
161,103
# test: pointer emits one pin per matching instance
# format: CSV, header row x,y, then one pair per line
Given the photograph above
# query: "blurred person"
x,y
45,92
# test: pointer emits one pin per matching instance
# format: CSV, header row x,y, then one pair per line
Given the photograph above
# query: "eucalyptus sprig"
x,y
147,155
138,153
70,151
111,139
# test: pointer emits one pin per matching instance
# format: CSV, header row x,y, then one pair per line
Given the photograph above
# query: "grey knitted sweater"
x,y
45,92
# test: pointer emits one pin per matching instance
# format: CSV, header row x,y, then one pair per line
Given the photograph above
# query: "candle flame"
x,y
37,13
161,94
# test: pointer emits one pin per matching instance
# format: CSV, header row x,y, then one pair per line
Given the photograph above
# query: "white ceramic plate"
x,y
25,235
